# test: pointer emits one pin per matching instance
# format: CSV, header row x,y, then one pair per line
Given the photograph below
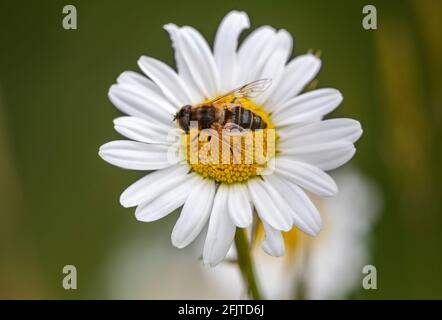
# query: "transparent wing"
x,y
231,129
224,138
249,90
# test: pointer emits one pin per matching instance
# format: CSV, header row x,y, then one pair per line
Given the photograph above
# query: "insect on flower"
x,y
220,115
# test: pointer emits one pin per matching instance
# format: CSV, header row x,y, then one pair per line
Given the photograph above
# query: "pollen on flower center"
x,y
231,155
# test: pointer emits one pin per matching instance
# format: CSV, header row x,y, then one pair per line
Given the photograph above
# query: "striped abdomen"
x,y
245,118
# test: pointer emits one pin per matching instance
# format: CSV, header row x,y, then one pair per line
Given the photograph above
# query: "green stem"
x,y
246,264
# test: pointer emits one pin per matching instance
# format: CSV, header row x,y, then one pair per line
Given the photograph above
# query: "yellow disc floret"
x,y
231,156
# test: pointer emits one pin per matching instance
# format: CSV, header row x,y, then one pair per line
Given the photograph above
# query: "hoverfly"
x,y
219,115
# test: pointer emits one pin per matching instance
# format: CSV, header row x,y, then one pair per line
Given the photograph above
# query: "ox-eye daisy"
x,y
225,196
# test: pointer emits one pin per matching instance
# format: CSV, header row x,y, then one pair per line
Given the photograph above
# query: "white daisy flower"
x,y
224,196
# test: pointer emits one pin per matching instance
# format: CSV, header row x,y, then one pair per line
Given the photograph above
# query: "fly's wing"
x,y
224,139
231,127
232,130
234,149
250,90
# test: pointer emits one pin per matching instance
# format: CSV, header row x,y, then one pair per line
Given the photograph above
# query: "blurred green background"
x,y
59,200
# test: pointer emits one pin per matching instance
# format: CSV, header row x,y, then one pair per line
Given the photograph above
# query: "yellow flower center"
x,y
234,155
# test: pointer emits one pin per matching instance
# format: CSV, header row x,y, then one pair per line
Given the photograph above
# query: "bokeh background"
x,y
59,200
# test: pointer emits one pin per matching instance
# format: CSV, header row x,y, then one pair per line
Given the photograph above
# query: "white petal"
x,y
325,156
195,214
221,229
331,130
167,201
138,82
144,87
252,54
270,206
167,79
153,184
265,43
183,69
305,215
239,206
309,106
136,155
306,176
272,70
201,63
273,244
283,41
299,72
134,104
145,131
225,45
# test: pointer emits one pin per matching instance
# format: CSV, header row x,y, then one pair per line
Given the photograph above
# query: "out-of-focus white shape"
x,y
148,267
328,266
335,263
